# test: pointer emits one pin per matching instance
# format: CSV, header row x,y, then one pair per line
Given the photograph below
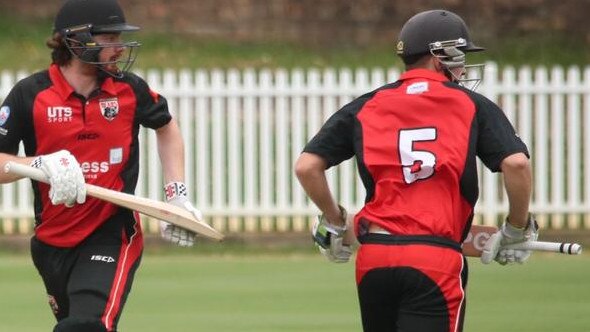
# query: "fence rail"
x,y
243,131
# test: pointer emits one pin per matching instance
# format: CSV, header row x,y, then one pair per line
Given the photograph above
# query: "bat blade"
x,y
156,209
153,208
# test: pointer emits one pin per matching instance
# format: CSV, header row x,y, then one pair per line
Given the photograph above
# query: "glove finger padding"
x,y
330,239
338,252
520,256
517,255
66,179
491,248
508,234
80,188
177,235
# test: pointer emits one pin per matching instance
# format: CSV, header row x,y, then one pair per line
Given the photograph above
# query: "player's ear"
x,y
436,64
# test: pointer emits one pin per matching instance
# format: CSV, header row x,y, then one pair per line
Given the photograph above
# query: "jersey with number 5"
x,y
415,142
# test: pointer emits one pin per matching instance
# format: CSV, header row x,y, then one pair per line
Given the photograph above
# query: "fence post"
x,y
586,144
574,137
490,184
234,148
557,145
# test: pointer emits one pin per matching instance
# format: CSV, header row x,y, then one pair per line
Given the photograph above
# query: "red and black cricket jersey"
x,y
415,143
45,113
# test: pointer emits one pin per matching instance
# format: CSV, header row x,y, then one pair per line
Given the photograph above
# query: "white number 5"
x,y
416,164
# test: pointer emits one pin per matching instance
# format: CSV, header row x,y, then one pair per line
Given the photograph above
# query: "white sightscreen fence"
x,y
244,129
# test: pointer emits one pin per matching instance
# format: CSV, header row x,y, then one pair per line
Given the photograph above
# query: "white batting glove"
x,y
176,194
508,234
65,177
330,239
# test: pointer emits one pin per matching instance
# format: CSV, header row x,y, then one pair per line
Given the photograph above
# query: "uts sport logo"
x,y
59,114
109,108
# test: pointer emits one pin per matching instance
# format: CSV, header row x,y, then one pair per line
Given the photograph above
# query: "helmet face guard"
x,y
452,59
81,44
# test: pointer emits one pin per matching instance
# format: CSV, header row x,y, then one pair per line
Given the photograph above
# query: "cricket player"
x,y
79,122
415,142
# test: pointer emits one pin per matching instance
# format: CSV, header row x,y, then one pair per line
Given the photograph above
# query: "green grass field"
x,y
302,292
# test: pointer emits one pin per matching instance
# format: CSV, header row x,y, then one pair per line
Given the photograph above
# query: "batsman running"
x,y
79,122
415,142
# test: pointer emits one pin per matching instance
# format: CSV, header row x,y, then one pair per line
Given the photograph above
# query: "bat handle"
x,y
559,247
25,170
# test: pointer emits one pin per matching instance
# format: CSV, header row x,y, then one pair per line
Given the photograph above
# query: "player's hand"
x,y
176,194
330,239
508,234
65,177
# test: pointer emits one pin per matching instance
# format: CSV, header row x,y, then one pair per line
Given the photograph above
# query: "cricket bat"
x,y
478,235
150,207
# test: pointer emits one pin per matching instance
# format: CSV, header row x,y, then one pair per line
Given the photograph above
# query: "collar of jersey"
x,y
423,73
64,89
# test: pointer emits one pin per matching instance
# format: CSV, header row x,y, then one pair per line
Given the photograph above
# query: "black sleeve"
x,y
11,121
152,108
497,138
335,140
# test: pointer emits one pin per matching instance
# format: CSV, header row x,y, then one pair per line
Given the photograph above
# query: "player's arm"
x,y
519,226
310,170
171,152
10,177
500,148
330,229
516,170
12,123
329,147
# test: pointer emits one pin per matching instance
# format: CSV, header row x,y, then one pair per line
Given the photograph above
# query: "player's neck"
x,y
81,77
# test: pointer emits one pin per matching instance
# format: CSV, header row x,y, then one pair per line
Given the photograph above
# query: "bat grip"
x,y
570,248
559,247
36,174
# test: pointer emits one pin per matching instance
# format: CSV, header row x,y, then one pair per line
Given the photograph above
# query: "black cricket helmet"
x,y
79,20
444,35
420,33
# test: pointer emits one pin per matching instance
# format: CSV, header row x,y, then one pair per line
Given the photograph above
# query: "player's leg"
x,y
73,324
54,265
379,300
102,277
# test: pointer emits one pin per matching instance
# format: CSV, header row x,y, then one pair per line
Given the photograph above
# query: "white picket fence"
x,y
243,131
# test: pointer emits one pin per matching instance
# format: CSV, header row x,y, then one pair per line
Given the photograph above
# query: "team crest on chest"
x,y
109,108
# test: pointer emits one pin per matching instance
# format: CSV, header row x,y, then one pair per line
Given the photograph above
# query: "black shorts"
x,y
93,279
410,286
